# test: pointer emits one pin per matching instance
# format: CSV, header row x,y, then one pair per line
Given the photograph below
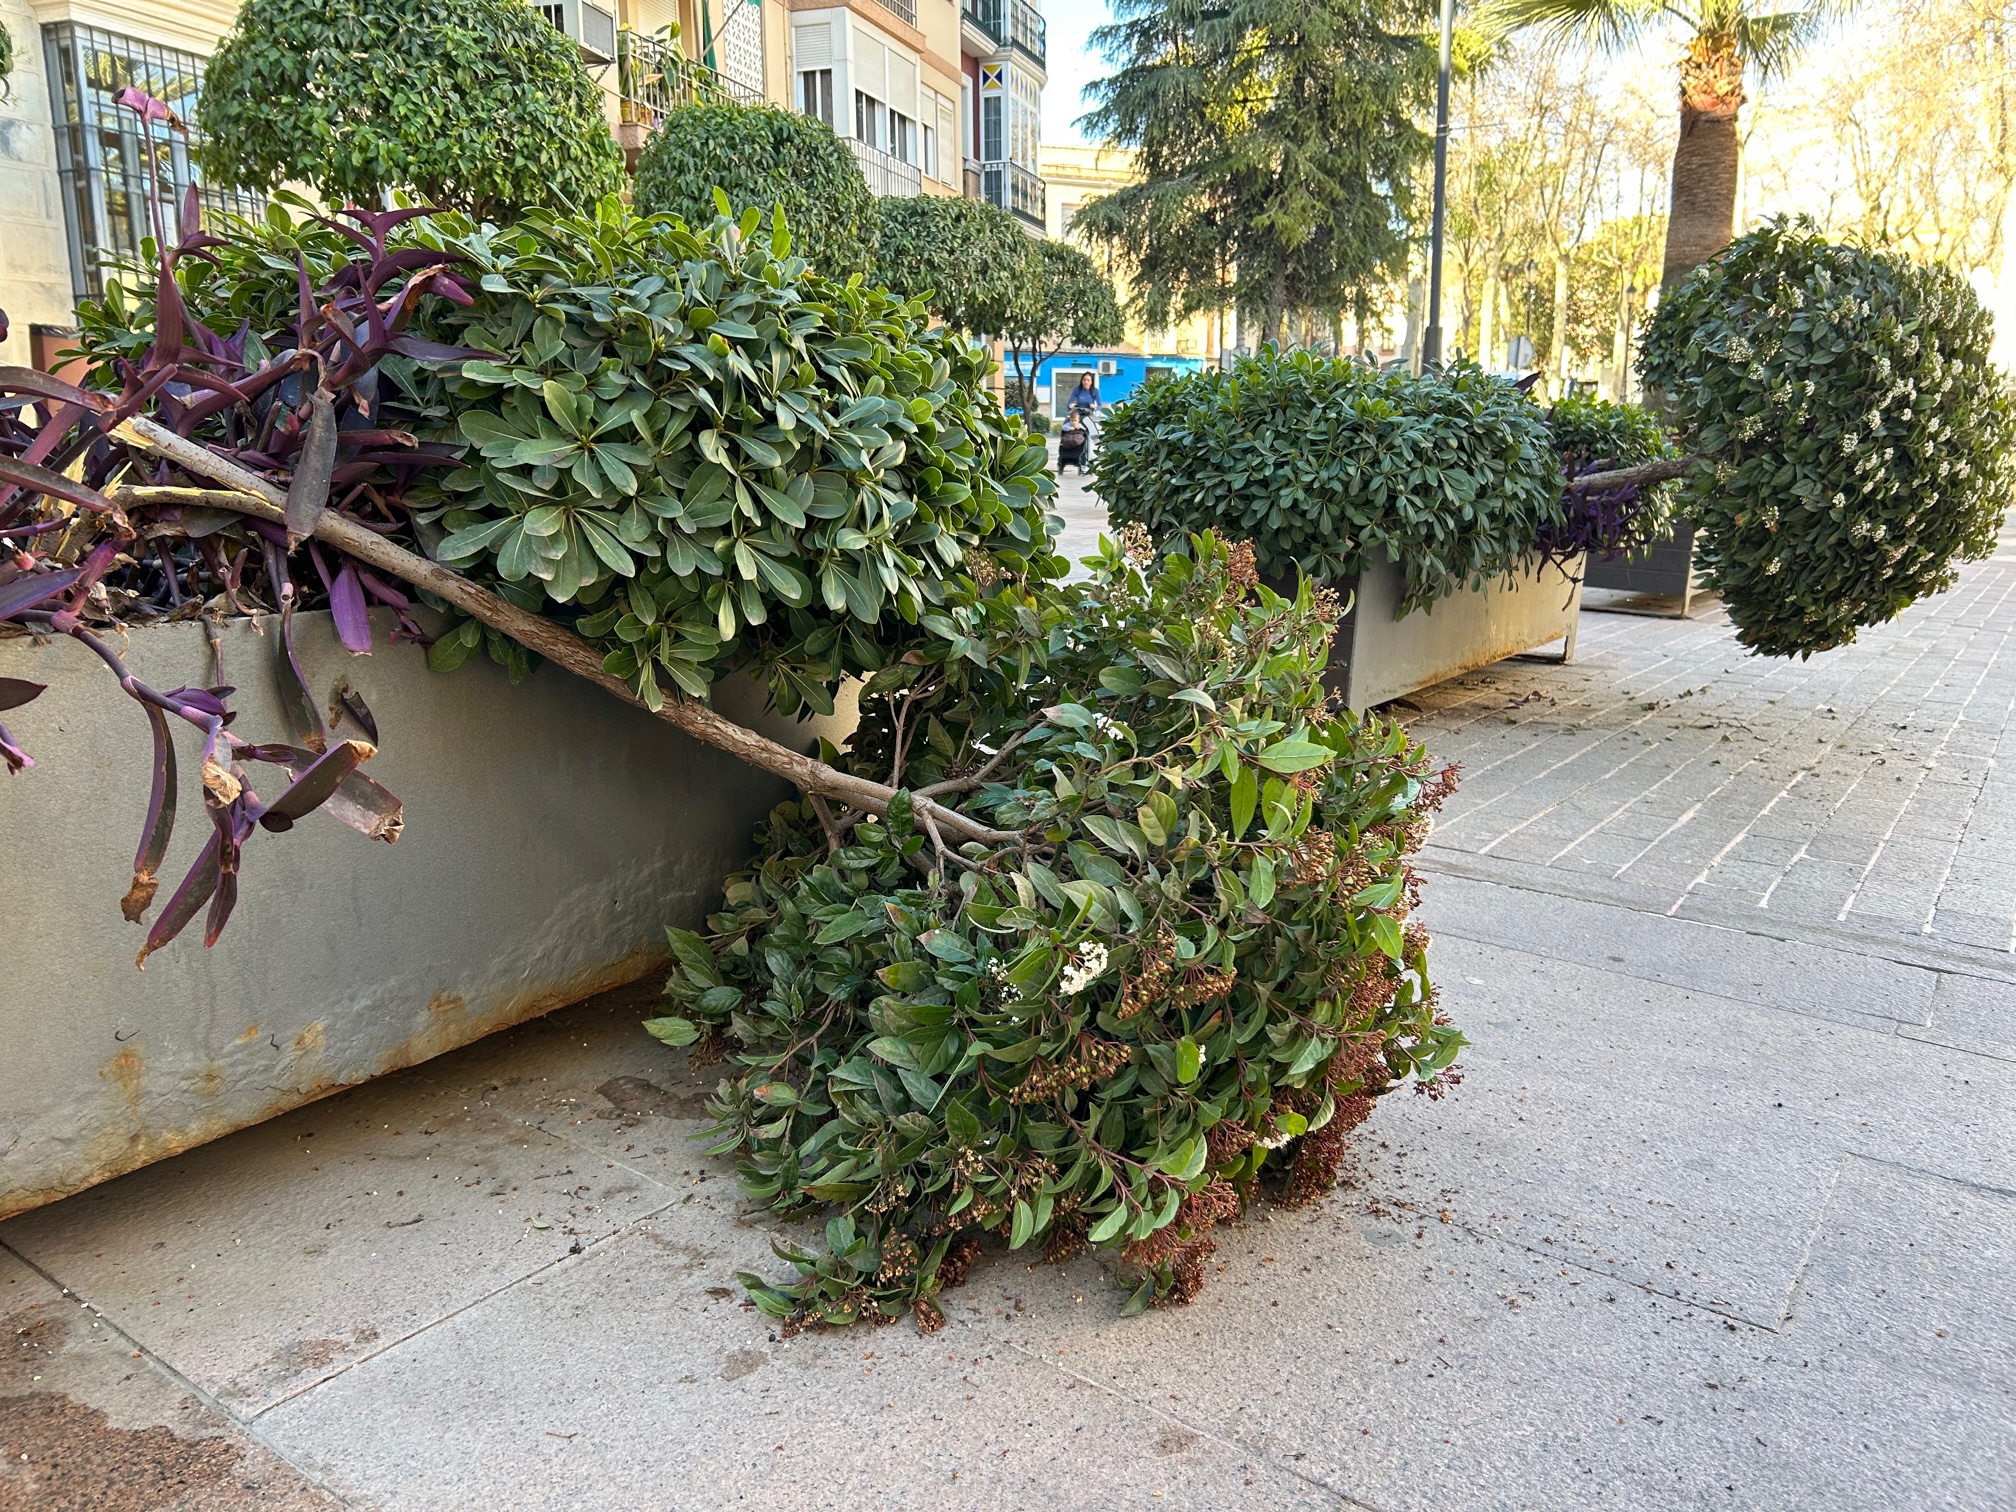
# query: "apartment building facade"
x,y
932,99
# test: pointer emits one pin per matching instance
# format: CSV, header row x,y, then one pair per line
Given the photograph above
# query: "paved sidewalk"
x,y
1722,1216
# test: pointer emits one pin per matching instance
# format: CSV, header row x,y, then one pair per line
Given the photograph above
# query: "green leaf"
x,y
1387,935
1022,1225
1189,1059
1286,756
673,1031
1245,798
1108,1226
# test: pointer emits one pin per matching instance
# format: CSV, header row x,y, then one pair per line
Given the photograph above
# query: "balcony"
x,y
1016,190
903,10
886,174
1010,23
653,76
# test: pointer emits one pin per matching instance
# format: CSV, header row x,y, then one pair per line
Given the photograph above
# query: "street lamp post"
x,y
1431,337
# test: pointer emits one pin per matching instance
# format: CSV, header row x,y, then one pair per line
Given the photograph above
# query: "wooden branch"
x,y
1643,473
249,494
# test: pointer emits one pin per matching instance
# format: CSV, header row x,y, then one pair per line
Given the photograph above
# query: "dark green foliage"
x,y
476,105
698,453
1597,435
1858,437
1063,300
1278,148
6,59
721,457
1194,977
968,256
1326,464
763,157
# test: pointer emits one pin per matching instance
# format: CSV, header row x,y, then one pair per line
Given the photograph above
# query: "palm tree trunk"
x,y
1702,219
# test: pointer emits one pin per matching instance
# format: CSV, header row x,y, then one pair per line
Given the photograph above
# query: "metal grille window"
x,y
122,177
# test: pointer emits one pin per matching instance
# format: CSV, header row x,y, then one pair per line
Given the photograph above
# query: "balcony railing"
x,y
990,16
885,173
905,10
654,76
1012,23
1016,190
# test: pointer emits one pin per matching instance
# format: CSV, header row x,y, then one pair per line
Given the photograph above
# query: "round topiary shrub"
x,y
1182,985
1327,465
1597,435
967,256
477,105
763,157
1855,436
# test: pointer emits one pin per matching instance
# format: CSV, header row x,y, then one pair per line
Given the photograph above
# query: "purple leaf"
x,y
27,592
316,784
295,698
360,802
160,824
146,106
308,494
192,894
346,606
17,760
226,897
379,589
359,711
42,481
16,691
20,380
420,349
201,699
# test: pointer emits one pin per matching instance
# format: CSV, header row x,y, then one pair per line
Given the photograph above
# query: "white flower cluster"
x,y
1748,427
1738,351
997,971
1087,963
1773,567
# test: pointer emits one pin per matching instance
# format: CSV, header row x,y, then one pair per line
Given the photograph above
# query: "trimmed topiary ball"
x,y
764,157
1856,437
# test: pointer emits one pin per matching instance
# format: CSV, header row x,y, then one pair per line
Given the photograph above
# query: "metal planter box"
x,y
1377,656
551,834
1665,569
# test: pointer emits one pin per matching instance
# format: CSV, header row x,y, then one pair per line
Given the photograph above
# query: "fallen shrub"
x,y
1189,979
1854,434
1327,465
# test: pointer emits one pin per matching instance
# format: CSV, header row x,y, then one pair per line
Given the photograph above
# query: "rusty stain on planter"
x,y
116,1151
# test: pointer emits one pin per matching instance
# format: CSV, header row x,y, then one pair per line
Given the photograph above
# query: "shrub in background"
x,y
475,105
1856,436
965,258
1189,979
1597,435
1327,465
764,158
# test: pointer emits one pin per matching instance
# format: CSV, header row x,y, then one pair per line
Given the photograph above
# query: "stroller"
x,y
1074,441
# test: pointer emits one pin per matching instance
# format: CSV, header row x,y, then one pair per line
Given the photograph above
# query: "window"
x,y
868,120
1067,214
815,93
993,135
120,179
930,162
902,137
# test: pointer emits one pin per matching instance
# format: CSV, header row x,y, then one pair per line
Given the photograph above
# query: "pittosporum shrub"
x,y
1856,437
762,158
1329,465
1598,435
1187,975
684,444
476,105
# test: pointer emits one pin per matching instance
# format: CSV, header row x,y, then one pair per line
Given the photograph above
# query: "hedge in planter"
x,y
1325,463
1597,435
1191,980
763,157
1856,439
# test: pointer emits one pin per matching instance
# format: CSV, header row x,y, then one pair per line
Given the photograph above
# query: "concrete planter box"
x,y
1379,655
1664,569
551,834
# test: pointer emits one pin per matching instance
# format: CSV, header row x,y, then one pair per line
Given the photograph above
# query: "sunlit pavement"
x,y
1721,1215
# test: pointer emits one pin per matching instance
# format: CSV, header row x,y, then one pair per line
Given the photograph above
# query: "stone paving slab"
x,y
88,1423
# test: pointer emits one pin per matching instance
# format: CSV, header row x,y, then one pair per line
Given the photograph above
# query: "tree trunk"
x,y
1702,217
1487,339
1560,332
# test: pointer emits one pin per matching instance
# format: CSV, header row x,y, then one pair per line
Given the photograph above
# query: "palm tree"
x,y
1728,36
